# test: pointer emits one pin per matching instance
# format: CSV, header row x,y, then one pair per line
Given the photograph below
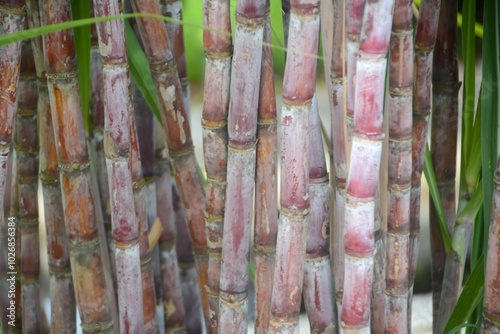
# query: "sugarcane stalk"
x,y
179,141
15,325
146,131
12,17
26,145
425,39
173,304
96,139
141,204
242,133
399,183
378,295
456,256
186,262
218,51
354,10
117,147
364,166
443,148
491,304
75,176
298,93
338,182
62,297
173,9
266,194
318,286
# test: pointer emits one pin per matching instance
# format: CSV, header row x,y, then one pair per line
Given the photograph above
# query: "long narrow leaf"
x,y
139,69
490,104
470,297
80,9
433,189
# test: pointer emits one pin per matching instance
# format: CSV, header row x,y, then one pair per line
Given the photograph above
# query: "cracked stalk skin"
x,y
241,161
298,94
76,183
364,166
218,52
175,121
266,193
425,39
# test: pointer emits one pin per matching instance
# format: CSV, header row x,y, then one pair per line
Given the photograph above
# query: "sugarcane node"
x,y
83,246
54,77
64,272
74,167
102,327
146,260
167,67
19,9
206,124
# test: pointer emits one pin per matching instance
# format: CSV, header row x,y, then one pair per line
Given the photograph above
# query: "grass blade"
x,y
433,189
490,103
470,297
139,69
81,10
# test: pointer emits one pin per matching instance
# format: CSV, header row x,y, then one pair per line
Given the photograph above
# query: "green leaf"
x,y
80,9
433,189
140,71
458,328
469,55
470,297
490,104
474,205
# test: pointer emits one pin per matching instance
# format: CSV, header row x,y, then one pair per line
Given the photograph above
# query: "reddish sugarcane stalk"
x,y
399,183
26,145
146,131
117,147
173,304
425,39
266,194
443,148
377,318
62,297
242,132
173,9
338,182
353,21
365,165
318,292
179,141
96,139
75,176
141,205
186,262
12,17
491,305
298,93
218,51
